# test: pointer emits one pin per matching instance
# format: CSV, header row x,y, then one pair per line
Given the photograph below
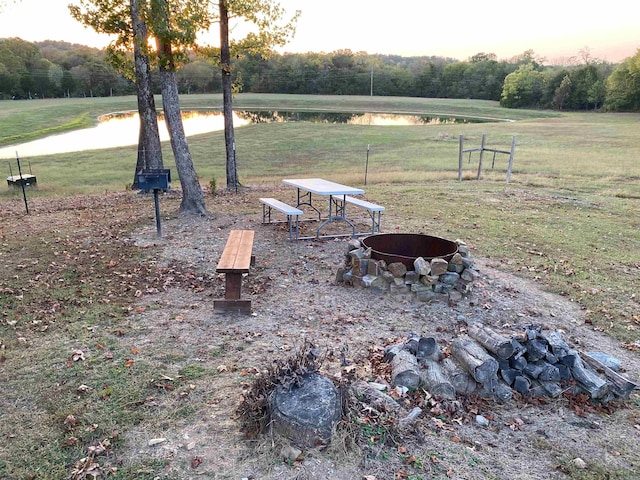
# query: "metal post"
x,y
24,193
157,205
366,167
461,145
513,151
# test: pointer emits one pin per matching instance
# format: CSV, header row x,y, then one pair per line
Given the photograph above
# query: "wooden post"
x,y
484,139
513,151
461,147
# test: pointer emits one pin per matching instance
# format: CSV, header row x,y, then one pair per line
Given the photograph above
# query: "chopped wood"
x,y
551,388
404,370
533,370
475,359
435,380
509,375
462,381
518,363
428,347
536,350
501,392
522,385
557,345
411,417
491,340
587,379
549,373
621,386
375,397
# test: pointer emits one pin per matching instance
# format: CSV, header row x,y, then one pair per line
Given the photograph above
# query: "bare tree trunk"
x,y
149,147
227,98
192,197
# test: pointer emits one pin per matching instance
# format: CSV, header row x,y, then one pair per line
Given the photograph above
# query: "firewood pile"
x,y
482,361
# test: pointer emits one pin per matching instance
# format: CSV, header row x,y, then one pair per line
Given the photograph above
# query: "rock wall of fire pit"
x,y
430,280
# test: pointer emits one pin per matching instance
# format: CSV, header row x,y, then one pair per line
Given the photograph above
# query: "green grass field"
x,y
569,219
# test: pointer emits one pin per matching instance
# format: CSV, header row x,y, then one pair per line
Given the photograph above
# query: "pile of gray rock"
x,y
430,280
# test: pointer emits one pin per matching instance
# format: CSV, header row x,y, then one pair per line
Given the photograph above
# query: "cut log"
x,y
391,351
496,390
411,344
620,385
532,370
518,349
475,359
549,373
462,381
551,388
374,397
435,381
501,392
404,370
557,345
522,385
509,375
428,347
518,363
588,380
491,340
536,350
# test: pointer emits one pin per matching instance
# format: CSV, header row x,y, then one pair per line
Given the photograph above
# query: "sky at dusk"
x,y
553,29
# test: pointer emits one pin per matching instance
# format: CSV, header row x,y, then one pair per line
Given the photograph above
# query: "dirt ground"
x,y
295,297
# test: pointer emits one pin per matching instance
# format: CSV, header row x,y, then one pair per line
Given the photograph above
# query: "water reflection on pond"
x,y
121,129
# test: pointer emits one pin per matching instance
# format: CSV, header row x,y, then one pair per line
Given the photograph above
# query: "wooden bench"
x,y
236,259
374,211
271,203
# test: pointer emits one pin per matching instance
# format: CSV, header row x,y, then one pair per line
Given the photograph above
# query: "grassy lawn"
x,y
568,219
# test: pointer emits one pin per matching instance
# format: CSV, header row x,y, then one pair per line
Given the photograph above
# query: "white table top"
x,y
320,186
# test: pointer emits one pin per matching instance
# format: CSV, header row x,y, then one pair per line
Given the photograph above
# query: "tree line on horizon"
x,y
57,69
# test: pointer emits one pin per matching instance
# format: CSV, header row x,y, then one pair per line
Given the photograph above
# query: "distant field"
x,y
551,148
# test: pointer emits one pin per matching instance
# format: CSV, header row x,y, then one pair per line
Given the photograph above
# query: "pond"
x,y
121,129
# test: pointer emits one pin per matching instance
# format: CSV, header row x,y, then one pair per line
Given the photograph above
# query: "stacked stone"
x,y
430,280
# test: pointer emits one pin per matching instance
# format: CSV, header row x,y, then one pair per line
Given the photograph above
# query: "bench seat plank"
x,y
364,204
374,211
236,257
288,210
281,206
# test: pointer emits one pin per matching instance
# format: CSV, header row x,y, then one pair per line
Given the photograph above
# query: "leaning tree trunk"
x,y
192,197
149,148
227,98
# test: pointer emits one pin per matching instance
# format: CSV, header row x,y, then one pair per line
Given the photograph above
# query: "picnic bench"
x,y
291,212
236,260
374,211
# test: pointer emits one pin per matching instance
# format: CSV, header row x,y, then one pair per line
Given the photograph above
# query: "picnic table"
x,y
338,196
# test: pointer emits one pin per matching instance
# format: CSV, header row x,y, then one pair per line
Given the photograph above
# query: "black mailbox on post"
x,y
154,179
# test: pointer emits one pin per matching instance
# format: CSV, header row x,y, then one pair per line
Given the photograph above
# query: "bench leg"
x,y
232,286
375,222
290,220
232,292
266,213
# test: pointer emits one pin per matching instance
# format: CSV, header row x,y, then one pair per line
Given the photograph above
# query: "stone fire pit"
x,y
432,268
